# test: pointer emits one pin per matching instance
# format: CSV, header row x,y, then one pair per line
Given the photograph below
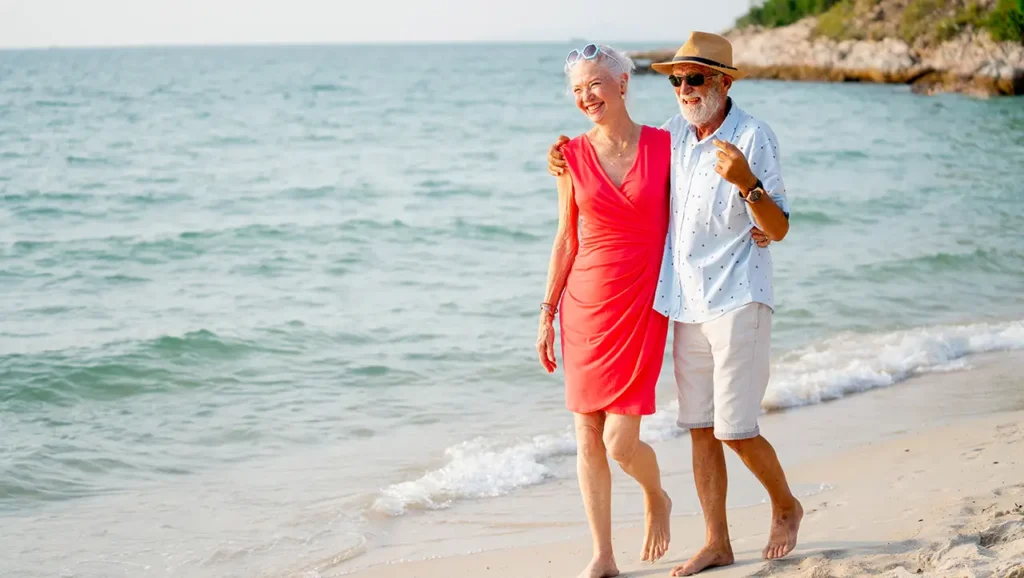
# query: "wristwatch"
x,y
755,194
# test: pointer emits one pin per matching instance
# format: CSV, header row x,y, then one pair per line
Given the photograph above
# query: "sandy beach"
x,y
940,494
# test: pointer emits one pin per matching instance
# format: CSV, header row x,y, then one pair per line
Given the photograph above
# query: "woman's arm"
x,y
563,254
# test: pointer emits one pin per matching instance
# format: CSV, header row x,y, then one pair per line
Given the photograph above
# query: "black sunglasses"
x,y
693,79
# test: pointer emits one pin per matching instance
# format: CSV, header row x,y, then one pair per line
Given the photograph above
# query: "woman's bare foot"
x,y
709,556
659,528
782,537
600,568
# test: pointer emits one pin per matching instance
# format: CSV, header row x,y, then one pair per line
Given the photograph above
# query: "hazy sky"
x,y
25,23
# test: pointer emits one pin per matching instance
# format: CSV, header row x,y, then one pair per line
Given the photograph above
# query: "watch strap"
x,y
758,185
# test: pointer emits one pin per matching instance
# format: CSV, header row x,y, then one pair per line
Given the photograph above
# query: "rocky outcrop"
x,y
970,63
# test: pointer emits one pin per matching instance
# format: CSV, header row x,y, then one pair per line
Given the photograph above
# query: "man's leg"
x,y
622,438
596,488
741,342
761,460
694,369
712,481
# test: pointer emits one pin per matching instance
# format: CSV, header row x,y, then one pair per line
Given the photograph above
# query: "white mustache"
x,y
701,111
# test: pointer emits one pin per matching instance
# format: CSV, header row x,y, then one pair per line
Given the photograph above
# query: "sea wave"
x,y
484,468
477,231
850,363
814,218
478,468
985,260
117,370
840,366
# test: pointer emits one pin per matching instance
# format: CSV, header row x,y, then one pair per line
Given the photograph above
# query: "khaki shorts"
x,y
722,371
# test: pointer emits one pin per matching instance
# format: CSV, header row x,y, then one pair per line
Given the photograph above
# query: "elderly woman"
x,y
612,222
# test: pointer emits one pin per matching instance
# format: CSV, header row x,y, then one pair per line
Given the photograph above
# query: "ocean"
x,y
271,311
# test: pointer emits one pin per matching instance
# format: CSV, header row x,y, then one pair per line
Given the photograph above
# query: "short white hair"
x,y
615,62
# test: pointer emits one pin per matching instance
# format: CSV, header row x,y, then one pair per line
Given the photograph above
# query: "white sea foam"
x,y
477,469
844,364
482,468
850,363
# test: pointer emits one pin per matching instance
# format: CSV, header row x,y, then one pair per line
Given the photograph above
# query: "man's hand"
x,y
556,160
733,167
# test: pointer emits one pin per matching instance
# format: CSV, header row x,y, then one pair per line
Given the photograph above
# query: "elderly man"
x,y
716,286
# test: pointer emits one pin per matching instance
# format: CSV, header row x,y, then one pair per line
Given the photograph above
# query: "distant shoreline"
x,y
971,63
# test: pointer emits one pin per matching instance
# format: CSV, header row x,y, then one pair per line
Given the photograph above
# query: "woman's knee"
x,y
621,444
589,440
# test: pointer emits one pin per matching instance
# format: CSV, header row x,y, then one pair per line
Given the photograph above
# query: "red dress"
x,y
613,341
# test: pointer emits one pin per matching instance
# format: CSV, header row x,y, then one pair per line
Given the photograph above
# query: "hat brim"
x,y
666,67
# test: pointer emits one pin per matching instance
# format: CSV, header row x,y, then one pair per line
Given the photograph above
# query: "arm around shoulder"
x,y
568,212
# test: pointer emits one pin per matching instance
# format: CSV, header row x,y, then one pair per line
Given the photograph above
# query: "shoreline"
x,y
970,63
918,470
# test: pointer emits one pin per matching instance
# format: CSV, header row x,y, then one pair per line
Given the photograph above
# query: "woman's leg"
x,y
622,439
596,486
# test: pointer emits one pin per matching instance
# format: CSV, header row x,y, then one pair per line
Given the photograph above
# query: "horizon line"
x,y
313,44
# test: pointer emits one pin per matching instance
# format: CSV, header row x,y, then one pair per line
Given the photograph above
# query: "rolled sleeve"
x,y
764,162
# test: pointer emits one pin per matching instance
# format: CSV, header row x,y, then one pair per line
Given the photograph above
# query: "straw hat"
x,y
706,49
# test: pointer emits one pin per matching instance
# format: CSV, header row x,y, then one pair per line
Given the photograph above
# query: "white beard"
x,y
710,105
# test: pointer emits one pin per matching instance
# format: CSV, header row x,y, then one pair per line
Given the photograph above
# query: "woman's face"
x,y
598,94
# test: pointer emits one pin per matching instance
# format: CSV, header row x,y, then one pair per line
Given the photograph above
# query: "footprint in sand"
x,y
1010,430
973,453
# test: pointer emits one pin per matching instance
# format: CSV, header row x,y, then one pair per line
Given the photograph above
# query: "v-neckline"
x,y
625,175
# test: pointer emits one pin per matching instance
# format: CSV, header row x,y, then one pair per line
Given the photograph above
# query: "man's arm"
x,y
556,160
769,212
557,166
768,216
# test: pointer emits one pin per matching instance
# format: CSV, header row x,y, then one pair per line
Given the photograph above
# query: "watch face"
x,y
755,195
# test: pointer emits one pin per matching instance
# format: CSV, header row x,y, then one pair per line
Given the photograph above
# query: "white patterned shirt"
x,y
711,264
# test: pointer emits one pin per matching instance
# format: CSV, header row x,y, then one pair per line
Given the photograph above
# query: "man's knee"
x,y
741,446
703,436
621,446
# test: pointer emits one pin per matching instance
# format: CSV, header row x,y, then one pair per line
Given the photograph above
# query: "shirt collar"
x,y
728,127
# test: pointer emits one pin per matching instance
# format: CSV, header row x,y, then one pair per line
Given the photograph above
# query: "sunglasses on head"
x,y
693,79
589,52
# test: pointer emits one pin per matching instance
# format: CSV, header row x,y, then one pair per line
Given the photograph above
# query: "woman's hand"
x,y
760,238
546,342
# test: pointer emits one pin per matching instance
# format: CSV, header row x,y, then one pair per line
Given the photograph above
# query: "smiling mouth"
x,y
689,101
592,108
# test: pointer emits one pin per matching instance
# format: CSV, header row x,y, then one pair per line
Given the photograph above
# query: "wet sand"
x,y
924,476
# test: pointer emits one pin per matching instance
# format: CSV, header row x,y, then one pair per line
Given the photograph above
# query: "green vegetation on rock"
x,y
774,13
918,22
1006,21
839,23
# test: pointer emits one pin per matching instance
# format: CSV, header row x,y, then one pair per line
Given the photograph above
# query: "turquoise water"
x,y
260,303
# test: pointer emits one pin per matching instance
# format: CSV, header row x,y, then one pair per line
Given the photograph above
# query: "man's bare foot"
x,y
782,538
709,556
659,527
600,568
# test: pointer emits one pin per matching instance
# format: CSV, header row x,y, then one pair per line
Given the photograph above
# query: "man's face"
x,y
699,104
